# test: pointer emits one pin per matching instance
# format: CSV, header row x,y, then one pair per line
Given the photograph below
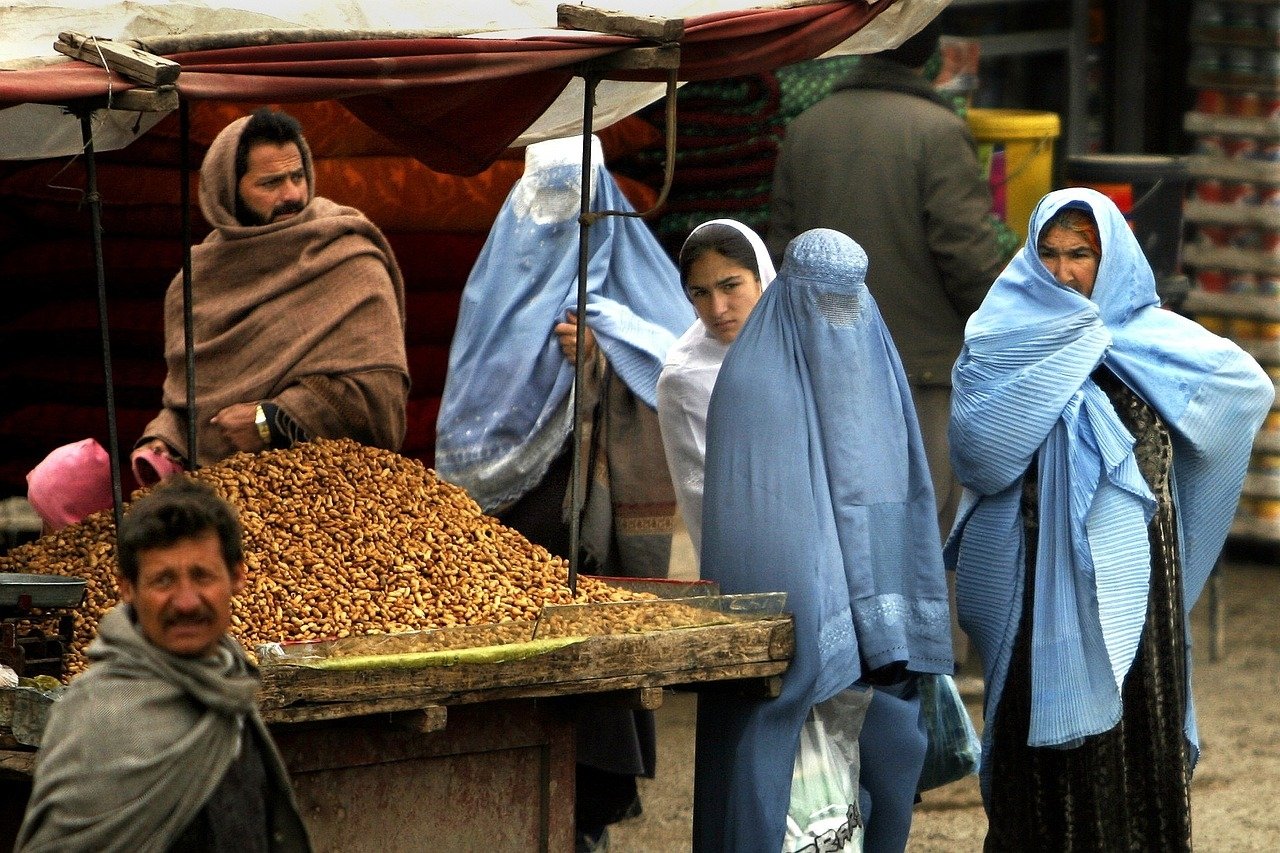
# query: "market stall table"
x,y
468,755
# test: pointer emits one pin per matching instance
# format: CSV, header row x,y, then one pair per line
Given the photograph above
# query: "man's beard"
x,y
248,217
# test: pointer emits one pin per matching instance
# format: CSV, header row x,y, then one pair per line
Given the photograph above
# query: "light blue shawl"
x,y
505,412
1022,388
816,485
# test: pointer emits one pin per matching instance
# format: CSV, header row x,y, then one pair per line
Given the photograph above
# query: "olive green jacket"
x,y
886,161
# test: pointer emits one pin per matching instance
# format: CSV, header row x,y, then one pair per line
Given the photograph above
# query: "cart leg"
x,y
1217,614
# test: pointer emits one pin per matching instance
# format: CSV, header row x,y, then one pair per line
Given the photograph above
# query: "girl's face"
x,y
1069,258
723,292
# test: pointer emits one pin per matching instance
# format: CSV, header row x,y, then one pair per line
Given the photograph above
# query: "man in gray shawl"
x,y
159,745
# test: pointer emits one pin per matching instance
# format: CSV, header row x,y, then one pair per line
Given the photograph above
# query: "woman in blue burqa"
x,y
817,485
506,417
1102,442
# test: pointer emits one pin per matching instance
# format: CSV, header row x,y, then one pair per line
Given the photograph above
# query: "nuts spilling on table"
x,y
341,539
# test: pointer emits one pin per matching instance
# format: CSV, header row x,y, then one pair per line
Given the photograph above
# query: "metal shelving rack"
x,y
1234,212
1070,42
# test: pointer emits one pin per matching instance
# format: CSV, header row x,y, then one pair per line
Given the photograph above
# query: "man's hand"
x,y
236,423
567,332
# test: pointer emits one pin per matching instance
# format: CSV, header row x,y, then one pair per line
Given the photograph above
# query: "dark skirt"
x,y
1126,789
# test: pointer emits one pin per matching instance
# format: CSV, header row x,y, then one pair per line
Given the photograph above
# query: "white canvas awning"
x,y
405,63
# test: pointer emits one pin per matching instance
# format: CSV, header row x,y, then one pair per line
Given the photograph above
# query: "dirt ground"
x,y
1236,784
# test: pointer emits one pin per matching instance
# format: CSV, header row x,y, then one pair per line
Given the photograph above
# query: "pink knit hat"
x,y
70,483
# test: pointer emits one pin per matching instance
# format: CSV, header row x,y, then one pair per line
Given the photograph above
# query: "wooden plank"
x,y
17,762
654,658
641,58
130,63
636,699
576,17
341,710
629,682
423,720
755,648
161,100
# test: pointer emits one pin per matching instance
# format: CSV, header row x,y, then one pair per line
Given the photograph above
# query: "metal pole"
x,y
95,218
188,318
1076,130
1129,84
576,497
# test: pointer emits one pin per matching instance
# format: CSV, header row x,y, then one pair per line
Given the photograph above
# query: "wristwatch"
x,y
260,421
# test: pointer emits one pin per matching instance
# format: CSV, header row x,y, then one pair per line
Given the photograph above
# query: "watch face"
x,y
260,421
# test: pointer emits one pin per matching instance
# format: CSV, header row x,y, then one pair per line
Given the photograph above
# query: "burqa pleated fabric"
x,y
817,486
505,411
1023,395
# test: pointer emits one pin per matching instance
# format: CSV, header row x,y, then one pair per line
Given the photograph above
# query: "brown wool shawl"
x,y
630,507
307,313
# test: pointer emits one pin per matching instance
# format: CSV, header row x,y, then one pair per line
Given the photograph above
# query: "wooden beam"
x,y
641,58
746,689
20,763
751,648
430,714
423,721
593,19
133,64
162,100
636,698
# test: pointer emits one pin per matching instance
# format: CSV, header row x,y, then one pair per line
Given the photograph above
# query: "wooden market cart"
x,y
466,756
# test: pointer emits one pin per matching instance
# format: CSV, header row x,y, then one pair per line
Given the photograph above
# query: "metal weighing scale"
x,y
29,598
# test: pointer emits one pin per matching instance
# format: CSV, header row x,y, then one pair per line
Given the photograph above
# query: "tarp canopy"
x,y
454,84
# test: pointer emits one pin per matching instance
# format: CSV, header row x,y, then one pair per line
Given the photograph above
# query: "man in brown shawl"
x,y
159,744
299,311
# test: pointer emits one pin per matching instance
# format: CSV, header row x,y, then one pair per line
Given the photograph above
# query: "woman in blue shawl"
x,y
817,485
1102,442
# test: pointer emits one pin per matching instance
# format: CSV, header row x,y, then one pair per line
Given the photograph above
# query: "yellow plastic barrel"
x,y
1015,148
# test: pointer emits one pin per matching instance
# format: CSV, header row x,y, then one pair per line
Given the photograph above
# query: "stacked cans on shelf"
x,y
1233,209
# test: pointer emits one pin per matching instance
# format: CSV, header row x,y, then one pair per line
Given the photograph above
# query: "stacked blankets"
x,y
728,133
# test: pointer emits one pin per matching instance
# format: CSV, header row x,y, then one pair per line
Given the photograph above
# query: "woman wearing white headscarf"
x,y
724,267
1102,443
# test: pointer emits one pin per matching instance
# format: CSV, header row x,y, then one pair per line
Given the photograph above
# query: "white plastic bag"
x,y
823,816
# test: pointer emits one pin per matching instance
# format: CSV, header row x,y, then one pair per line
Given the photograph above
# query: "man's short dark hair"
x,y
181,508
265,125
916,51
